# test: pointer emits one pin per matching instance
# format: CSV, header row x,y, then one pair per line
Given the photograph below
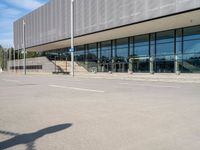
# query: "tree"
x,y
1,57
32,54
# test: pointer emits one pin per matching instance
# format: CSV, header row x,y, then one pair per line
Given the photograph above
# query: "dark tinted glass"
x,y
191,40
106,51
122,48
80,53
165,43
92,52
141,46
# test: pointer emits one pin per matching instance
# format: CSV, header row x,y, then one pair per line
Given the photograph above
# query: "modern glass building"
x,y
140,36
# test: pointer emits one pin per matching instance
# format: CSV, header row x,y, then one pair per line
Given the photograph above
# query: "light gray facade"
x,y
51,22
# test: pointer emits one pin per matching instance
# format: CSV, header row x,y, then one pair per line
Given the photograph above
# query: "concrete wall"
x,y
51,22
47,66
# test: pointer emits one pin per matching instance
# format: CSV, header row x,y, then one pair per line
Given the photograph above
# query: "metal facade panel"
x,y
51,22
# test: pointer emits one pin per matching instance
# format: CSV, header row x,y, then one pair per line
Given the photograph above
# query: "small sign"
x,y
71,49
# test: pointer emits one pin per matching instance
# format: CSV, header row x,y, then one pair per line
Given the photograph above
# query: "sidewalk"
x,y
165,77
162,77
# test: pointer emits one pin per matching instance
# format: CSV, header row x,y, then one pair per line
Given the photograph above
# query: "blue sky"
x,y
11,10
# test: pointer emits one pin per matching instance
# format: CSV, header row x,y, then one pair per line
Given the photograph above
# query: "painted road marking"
x,y
123,83
75,88
7,80
157,86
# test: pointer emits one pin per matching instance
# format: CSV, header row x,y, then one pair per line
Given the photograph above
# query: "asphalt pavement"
x,y
55,112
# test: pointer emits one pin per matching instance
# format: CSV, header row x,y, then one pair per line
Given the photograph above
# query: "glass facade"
x,y
164,62
191,50
105,58
60,55
161,52
79,54
120,55
140,59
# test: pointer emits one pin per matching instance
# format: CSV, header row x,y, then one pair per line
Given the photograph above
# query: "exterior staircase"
x,y
65,67
190,67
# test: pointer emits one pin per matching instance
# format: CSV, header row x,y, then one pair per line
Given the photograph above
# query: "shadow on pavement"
x,y
29,138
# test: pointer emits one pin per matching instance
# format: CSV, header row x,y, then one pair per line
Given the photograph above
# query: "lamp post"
x,y
14,60
24,49
18,60
9,57
72,38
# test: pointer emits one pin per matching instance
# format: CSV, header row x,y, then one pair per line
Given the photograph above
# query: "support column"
x,y
130,65
14,60
24,47
72,38
151,65
176,65
9,58
18,60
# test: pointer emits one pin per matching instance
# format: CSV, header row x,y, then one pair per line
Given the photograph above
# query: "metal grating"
x,y
51,22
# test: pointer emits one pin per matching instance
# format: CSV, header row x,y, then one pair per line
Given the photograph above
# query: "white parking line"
x,y
158,86
75,88
123,83
7,80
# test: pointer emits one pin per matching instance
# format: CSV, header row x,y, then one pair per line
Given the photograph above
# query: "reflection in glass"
x,y
106,51
141,46
122,49
140,60
92,53
120,55
165,52
80,53
169,51
191,40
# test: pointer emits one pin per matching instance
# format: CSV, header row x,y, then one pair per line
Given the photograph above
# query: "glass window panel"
x,y
60,54
191,63
106,51
165,37
165,43
141,40
152,45
122,43
99,52
191,33
164,62
114,48
164,66
165,49
131,46
141,46
92,52
140,65
80,53
122,48
179,38
191,40
192,46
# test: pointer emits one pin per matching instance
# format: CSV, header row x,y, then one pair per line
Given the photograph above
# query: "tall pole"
x,y
18,60
14,60
9,57
24,49
72,38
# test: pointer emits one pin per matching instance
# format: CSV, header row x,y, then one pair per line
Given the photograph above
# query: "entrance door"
x,y
105,67
120,67
140,64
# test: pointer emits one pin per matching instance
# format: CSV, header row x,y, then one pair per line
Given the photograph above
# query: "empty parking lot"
x,y
60,112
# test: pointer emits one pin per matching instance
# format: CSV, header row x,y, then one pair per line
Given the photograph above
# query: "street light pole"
x,y
18,60
24,49
14,60
72,38
9,57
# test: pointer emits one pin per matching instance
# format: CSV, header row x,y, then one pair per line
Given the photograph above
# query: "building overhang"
x,y
186,19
